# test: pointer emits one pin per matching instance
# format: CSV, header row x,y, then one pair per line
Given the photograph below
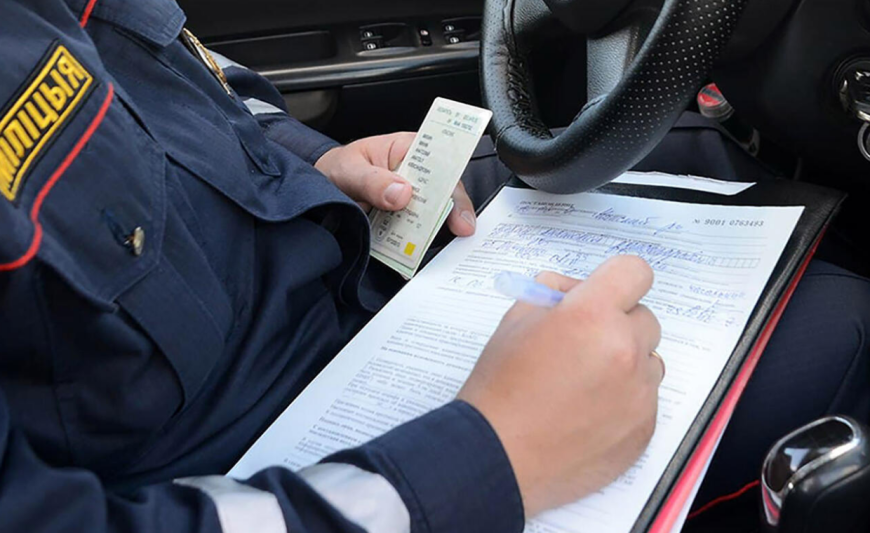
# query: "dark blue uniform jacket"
x,y
173,271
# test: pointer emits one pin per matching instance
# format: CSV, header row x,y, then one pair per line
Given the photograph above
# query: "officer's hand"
x,y
572,391
363,171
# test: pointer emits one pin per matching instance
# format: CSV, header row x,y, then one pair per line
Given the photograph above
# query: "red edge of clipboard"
x,y
673,507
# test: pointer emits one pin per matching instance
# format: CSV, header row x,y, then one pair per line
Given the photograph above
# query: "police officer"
x,y
180,257
174,270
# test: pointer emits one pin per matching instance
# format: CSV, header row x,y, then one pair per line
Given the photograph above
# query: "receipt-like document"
x,y
711,265
435,162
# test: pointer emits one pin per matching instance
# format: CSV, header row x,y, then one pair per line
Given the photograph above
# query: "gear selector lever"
x,y
817,479
853,86
855,92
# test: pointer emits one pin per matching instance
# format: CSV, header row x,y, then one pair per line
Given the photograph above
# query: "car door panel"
x,y
319,54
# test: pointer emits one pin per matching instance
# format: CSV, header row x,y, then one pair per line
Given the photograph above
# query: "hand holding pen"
x,y
527,290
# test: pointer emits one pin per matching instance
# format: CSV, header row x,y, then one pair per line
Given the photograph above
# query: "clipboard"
x,y
663,505
821,205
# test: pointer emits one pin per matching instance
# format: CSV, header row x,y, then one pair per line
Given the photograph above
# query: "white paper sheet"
x,y
711,264
694,183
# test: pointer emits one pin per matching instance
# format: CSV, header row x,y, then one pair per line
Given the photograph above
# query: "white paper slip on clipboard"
x,y
693,183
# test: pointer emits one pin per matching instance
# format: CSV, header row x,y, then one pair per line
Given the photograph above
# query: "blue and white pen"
x,y
527,290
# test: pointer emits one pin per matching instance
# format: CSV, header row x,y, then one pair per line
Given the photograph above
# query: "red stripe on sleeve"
x,y
86,15
43,193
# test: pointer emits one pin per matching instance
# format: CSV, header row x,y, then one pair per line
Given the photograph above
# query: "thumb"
x,y
385,190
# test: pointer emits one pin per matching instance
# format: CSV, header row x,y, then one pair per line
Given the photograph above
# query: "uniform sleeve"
x,y
266,104
451,471
39,499
445,472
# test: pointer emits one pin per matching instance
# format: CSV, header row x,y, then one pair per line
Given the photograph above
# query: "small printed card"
x,y
434,164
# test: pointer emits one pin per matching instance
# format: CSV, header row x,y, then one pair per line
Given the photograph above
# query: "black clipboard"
x,y
821,205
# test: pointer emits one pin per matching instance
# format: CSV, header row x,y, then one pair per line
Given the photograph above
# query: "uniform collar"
x,y
157,21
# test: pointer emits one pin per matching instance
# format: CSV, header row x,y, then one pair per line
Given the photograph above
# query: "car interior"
x,y
791,87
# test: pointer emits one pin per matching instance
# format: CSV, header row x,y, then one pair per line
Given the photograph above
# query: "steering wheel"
x,y
646,62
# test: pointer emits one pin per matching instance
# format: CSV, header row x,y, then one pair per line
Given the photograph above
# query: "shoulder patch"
x,y
53,92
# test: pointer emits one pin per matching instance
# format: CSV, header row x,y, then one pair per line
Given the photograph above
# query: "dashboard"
x,y
781,71
784,71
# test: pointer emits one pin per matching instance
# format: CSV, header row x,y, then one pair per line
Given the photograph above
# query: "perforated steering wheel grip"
x,y
616,130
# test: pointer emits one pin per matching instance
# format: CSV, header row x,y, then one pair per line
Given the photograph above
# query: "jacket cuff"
x,y
451,471
308,144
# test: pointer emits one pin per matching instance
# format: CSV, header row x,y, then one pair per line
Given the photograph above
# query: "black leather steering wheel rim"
x,y
617,130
